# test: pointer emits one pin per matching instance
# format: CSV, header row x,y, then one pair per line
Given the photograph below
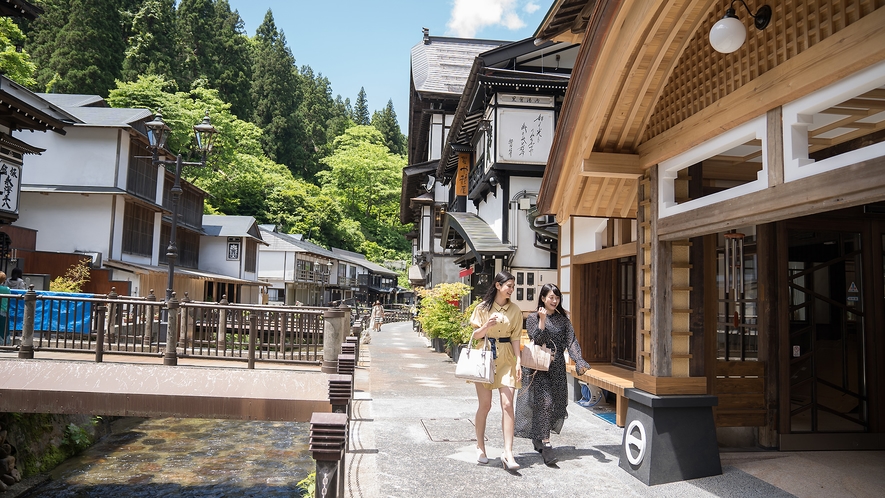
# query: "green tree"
x,y
42,35
234,68
361,109
385,122
87,56
276,95
152,42
16,65
364,177
215,50
321,117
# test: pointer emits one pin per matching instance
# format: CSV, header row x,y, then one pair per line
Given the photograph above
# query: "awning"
x,y
416,275
472,233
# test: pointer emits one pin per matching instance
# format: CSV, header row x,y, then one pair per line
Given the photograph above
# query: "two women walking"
x,y
540,407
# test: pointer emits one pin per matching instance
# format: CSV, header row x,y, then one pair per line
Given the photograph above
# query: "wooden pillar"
x,y
660,260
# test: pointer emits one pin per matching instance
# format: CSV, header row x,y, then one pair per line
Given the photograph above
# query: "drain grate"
x,y
449,430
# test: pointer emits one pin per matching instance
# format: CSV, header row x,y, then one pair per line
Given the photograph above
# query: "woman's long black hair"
x,y
547,289
492,291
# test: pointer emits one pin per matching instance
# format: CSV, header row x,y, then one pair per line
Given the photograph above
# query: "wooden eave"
x,y
19,8
566,21
613,125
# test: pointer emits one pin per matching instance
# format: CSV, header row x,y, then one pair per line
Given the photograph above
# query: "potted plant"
x,y
440,316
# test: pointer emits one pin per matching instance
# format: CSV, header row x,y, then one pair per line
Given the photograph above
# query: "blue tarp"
x,y
53,315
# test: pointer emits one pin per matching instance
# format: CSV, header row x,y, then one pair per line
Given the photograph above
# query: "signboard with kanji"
x,y
461,177
10,186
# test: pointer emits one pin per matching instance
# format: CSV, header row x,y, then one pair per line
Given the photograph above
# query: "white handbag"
x,y
476,365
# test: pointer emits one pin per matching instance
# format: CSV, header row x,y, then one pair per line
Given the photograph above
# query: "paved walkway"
x,y
412,436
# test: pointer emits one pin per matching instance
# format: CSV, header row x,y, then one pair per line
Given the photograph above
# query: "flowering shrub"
x,y
440,313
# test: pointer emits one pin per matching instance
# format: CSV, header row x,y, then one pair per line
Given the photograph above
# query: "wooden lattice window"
x,y
251,255
187,242
141,175
138,230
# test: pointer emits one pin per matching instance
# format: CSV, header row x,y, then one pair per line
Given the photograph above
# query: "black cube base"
x,y
669,438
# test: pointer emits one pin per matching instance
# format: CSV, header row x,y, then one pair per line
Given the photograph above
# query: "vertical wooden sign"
x,y
461,178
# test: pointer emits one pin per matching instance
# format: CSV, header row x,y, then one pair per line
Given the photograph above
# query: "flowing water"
x,y
188,458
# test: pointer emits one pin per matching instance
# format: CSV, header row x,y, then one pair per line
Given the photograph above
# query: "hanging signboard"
x,y
461,177
524,135
10,186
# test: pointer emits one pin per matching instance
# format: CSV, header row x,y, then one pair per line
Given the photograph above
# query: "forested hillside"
x,y
289,153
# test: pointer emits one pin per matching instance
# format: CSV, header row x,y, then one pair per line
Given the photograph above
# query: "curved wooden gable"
x,y
648,86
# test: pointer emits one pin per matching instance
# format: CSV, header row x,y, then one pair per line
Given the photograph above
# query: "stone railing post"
x,y
221,338
253,326
187,323
148,338
26,351
334,323
171,356
112,315
102,311
328,442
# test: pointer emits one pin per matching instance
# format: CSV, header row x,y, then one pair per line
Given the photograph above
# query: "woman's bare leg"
x,y
507,419
482,412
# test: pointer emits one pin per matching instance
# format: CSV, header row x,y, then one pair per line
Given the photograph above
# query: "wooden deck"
x,y
611,378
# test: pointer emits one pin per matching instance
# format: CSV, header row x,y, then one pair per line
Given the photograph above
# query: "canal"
x,y
149,458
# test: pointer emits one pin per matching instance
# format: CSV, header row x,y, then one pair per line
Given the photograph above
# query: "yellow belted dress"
x,y
510,326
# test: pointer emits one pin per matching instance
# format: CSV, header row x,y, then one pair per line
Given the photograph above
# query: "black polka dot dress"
x,y
541,403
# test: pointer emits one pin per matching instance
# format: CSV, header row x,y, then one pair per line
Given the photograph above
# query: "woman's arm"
x,y
535,329
574,349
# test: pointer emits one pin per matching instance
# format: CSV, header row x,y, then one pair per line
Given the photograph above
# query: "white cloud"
x,y
532,7
470,16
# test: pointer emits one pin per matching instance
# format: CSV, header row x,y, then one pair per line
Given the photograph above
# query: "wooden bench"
x,y
611,378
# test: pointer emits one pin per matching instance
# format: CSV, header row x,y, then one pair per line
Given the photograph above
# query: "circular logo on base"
x,y
634,442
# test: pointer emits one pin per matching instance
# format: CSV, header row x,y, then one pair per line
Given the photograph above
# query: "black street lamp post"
x,y
158,132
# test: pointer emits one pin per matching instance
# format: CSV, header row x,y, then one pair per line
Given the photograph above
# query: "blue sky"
x,y
366,43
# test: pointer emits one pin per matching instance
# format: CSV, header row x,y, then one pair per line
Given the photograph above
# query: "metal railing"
x,y
138,326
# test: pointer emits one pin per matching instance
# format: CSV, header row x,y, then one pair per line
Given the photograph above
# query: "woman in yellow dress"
x,y
500,320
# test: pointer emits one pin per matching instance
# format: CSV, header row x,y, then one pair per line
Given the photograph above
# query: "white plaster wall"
x,y
588,234
85,156
271,265
491,211
213,257
68,222
527,255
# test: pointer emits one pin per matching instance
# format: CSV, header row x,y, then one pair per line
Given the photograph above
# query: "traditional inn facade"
x,y
493,162
439,70
722,216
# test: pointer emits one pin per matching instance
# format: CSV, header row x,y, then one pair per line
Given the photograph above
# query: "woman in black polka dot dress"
x,y
541,403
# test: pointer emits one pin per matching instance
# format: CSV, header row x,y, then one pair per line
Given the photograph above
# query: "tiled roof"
x,y
440,65
231,226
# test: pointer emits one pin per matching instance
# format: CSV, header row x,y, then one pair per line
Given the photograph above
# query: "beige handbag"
x,y
536,357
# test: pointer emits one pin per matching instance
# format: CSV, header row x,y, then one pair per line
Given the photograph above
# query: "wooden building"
x,y
722,216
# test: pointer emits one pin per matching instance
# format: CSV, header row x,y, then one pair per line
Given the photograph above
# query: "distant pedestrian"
x,y
541,405
377,316
500,320
15,280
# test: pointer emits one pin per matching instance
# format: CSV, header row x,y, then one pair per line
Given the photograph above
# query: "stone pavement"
x,y
412,436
